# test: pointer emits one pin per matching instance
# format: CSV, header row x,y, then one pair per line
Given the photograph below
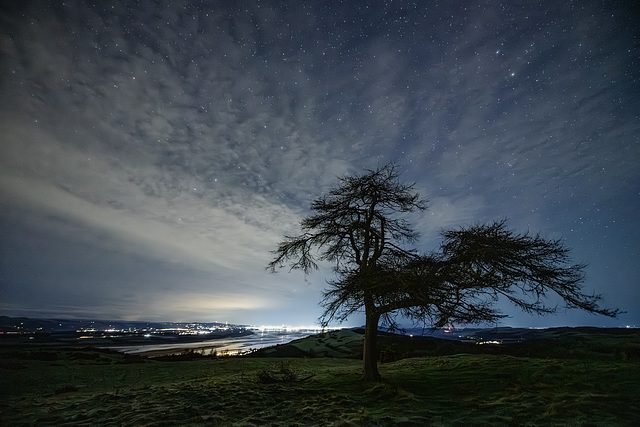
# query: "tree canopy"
x,y
359,227
355,224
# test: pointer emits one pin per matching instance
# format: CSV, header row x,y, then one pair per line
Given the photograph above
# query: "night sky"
x,y
152,154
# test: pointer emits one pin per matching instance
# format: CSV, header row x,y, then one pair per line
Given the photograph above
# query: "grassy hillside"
x,y
574,343
41,386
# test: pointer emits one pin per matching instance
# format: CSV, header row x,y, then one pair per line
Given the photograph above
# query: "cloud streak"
x,y
187,139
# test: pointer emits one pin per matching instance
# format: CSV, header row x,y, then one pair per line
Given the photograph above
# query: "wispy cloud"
x,y
192,137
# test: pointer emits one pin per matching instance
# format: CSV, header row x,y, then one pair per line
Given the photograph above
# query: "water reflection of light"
x,y
287,328
226,346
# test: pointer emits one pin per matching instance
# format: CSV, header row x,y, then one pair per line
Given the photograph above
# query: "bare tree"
x,y
358,227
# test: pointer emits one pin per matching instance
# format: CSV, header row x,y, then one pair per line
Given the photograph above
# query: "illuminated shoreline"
x,y
221,346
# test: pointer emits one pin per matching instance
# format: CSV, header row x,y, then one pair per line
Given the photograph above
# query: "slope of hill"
x,y
571,377
555,342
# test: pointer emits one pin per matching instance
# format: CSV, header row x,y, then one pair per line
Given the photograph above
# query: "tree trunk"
x,y
369,354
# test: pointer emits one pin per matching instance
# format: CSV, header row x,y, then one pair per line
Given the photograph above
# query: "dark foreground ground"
x,y
569,377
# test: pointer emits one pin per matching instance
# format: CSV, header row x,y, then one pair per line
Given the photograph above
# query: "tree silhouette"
x,y
358,226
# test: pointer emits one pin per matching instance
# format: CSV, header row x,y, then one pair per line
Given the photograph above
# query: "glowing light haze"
x,y
153,153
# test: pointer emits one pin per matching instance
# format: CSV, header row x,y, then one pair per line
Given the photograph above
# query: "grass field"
x,y
42,386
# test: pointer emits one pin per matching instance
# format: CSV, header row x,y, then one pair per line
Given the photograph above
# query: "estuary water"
x,y
221,346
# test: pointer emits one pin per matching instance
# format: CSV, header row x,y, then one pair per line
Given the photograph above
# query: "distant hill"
x,y
554,342
27,325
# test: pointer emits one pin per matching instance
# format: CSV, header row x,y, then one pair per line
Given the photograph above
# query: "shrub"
x,y
284,374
